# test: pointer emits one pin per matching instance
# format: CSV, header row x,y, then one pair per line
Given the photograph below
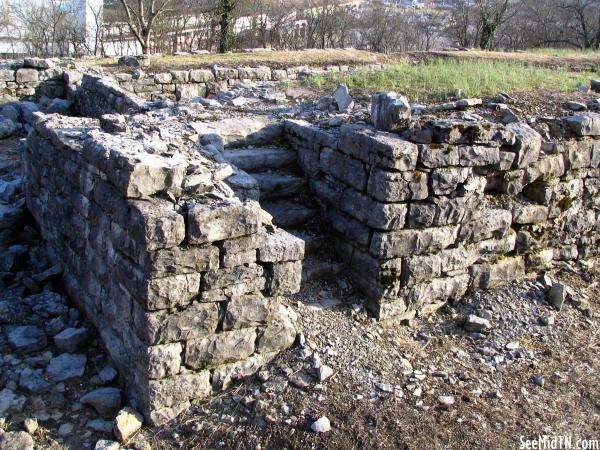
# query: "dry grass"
x,y
312,57
538,57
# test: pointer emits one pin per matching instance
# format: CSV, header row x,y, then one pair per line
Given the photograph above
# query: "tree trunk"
x,y
225,23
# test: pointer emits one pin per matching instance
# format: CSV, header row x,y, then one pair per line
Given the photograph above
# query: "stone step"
x,y
244,185
316,269
279,185
288,214
260,159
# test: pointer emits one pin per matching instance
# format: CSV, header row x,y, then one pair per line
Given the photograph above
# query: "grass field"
x,y
437,79
547,57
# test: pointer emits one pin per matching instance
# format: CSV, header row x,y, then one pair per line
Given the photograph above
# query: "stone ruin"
x,y
179,236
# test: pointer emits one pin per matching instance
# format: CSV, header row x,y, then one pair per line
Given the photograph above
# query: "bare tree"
x,y
141,18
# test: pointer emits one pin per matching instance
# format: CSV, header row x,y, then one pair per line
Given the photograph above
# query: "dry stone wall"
x,y
96,96
202,82
444,206
180,278
33,78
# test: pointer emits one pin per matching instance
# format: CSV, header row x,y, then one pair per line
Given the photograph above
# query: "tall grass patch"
x,y
440,78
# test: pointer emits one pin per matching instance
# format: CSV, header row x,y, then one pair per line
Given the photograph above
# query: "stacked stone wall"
x,y
33,78
430,212
180,278
202,82
96,96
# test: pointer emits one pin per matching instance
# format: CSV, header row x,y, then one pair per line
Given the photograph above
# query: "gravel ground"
x,y
431,384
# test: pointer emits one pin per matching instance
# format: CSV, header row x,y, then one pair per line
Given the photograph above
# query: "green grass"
x,y
439,78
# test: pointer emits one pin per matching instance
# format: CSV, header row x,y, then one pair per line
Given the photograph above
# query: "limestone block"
x,y
420,268
164,360
478,155
201,76
238,259
378,148
155,223
168,292
437,291
280,246
247,311
583,124
228,346
349,170
490,249
463,132
488,276
461,257
280,334
178,389
216,279
184,91
438,155
577,154
529,214
138,174
441,211
506,161
446,179
346,226
180,76
226,73
163,78
225,375
180,260
27,76
283,278
388,186
381,216
158,327
218,220
527,144
491,223
389,111
412,242
7,75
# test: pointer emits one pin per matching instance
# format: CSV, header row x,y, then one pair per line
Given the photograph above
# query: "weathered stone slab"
x,y
490,223
349,170
197,320
583,124
164,360
281,246
283,278
228,346
219,220
248,311
181,388
381,216
221,278
503,272
378,148
438,155
388,186
180,260
412,242
478,155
